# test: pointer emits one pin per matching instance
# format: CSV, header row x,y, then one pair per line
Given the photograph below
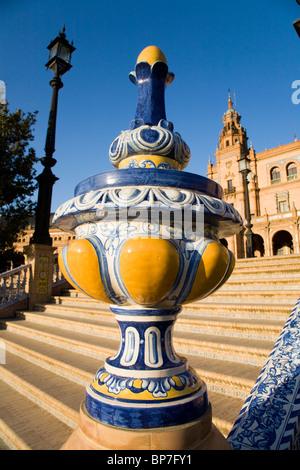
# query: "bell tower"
x,y
232,133
232,145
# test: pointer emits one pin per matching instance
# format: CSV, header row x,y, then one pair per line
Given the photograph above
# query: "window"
x,y
227,143
230,188
291,171
283,201
275,175
283,206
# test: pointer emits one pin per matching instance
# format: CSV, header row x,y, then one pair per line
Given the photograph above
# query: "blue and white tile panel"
x,y
269,419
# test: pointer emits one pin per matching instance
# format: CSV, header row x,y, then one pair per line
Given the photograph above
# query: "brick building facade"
x,y
274,189
59,238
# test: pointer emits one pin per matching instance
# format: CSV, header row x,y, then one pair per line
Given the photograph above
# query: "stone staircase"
x,y
55,350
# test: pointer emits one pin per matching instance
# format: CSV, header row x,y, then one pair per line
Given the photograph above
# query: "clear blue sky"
x,y
250,47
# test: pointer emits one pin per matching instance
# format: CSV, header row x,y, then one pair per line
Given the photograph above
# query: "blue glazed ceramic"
x,y
147,242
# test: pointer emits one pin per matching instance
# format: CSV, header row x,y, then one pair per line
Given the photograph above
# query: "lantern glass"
x,y
60,55
64,53
244,164
53,51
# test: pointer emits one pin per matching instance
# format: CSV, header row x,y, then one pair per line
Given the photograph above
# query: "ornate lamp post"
x,y
244,169
296,23
39,252
59,62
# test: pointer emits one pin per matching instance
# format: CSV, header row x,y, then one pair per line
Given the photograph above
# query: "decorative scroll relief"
x,y
131,351
151,344
153,352
147,163
168,346
149,140
95,205
160,387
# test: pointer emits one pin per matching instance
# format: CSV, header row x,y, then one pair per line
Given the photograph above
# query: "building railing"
x,y
230,190
14,285
269,419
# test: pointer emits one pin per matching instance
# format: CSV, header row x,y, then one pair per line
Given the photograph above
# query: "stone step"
x,y
269,260
186,321
237,291
285,266
252,283
214,304
72,365
42,386
252,310
232,327
243,295
70,331
79,306
287,270
55,350
39,379
62,338
234,380
24,425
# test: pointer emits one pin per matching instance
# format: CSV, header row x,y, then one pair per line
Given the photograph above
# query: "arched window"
x,y
282,243
275,175
291,171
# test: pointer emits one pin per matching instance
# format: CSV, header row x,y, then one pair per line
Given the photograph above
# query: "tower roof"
x,y
231,112
232,133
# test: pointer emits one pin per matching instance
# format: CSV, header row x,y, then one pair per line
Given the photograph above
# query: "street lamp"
x,y
244,169
296,23
59,62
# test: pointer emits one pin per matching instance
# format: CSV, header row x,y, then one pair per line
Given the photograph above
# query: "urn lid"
x,y
150,142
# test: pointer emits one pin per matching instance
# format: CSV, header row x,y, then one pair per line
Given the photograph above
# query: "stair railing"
x,y
270,416
14,285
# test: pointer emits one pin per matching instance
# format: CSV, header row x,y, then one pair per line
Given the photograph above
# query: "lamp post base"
x,y
196,435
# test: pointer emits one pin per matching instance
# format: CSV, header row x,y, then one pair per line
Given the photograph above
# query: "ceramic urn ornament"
x,y
148,242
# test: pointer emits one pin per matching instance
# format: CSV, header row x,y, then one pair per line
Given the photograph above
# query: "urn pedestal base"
x,y
196,435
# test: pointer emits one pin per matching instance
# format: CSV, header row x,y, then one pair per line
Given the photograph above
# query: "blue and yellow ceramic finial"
x,y
150,142
152,54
